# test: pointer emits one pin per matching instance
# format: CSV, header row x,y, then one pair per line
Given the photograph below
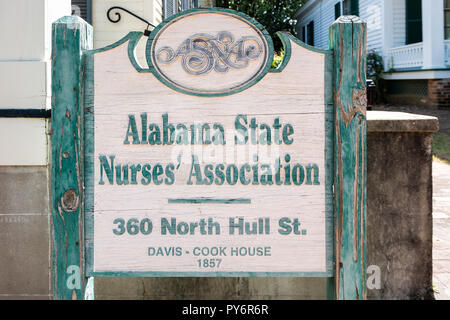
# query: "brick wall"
x,y
439,92
434,93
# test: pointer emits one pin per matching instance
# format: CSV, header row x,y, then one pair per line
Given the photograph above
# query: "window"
x,y
310,33
304,34
170,7
83,9
447,19
350,7
337,10
307,34
413,21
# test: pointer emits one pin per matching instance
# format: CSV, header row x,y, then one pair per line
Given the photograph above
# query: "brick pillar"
x,y
439,92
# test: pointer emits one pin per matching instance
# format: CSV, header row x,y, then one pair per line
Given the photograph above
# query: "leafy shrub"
x,y
375,69
277,59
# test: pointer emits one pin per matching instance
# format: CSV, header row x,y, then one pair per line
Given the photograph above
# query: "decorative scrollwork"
x,y
118,17
203,52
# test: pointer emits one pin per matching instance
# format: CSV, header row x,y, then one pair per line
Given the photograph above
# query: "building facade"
x,y
25,128
107,32
25,102
25,159
412,37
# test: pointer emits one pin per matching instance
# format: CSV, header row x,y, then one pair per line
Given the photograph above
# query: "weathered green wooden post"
x,y
348,40
71,36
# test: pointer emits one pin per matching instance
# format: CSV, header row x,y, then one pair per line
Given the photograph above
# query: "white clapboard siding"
x,y
106,32
399,18
322,13
371,12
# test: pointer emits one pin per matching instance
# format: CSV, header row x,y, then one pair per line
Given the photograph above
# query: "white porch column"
x,y
433,34
387,28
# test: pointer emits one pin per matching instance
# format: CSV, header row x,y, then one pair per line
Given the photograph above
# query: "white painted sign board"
x,y
209,162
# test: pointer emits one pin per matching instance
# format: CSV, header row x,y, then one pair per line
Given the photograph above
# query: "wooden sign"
x,y
207,162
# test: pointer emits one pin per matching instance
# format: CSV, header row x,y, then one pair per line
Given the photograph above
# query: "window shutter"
x,y
170,7
186,5
337,10
311,33
354,7
413,21
447,19
82,8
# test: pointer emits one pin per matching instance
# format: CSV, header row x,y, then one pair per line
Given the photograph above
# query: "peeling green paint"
x,y
348,40
71,35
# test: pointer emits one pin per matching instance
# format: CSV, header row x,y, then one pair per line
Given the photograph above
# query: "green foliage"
x,y
441,145
375,68
277,59
374,65
275,15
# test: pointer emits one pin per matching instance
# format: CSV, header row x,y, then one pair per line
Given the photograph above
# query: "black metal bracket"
x,y
118,17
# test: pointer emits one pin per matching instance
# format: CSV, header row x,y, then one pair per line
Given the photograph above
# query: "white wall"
x,y
26,48
323,15
23,142
25,77
106,32
399,22
371,12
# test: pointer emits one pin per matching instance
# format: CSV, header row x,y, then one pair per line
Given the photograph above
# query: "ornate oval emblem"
x,y
209,52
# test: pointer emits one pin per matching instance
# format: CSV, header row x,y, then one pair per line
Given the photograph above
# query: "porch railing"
x,y
406,57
